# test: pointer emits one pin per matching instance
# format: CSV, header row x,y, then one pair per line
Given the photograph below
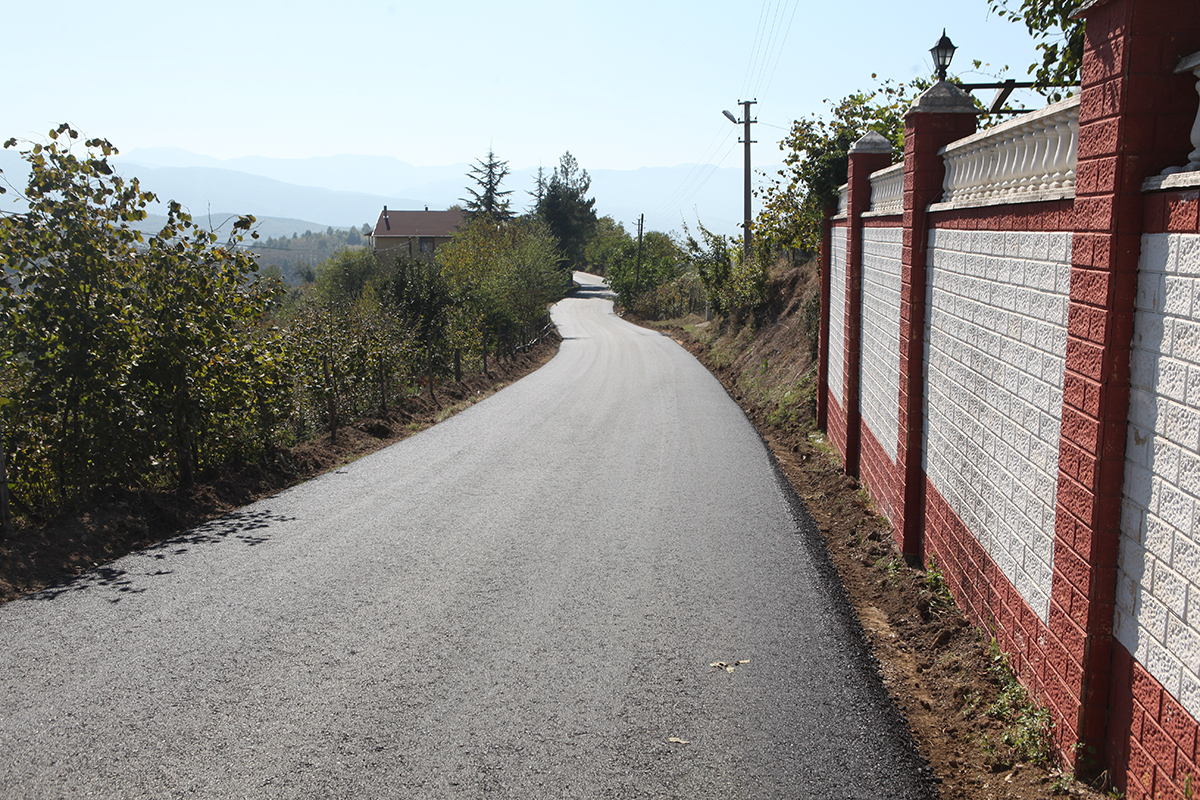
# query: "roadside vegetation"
x,y
148,362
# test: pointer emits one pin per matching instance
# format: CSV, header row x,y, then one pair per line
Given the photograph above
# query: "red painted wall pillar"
x,y
942,114
870,153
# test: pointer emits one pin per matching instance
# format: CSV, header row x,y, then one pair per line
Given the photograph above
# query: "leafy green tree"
x,y
568,211
71,263
816,160
1058,37
490,199
507,272
607,245
530,276
135,359
660,263
199,306
344,276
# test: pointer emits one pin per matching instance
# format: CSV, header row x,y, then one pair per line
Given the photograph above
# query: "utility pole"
x,y
746,140
637,272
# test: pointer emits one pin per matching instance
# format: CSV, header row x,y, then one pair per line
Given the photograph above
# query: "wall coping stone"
x,y
1166,183
1088,5
1005,200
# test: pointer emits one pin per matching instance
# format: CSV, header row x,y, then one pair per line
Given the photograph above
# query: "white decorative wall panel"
x,y
1158,579
880,363
994,356
837,315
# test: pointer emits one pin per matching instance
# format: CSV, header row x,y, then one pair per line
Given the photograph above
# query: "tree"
x,y
132,358
1059,37
198,366
539,189
568,211
72,261
817,159
607,245
490,200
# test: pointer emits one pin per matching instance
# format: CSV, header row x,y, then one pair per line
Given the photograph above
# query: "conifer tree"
x,y
490,199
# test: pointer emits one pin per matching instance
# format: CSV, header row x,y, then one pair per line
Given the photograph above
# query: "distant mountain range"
x,y
293,195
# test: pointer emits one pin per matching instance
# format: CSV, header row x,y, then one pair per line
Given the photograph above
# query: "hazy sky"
x,y
620,84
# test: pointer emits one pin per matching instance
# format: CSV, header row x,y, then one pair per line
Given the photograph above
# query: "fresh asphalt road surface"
x,y
521,602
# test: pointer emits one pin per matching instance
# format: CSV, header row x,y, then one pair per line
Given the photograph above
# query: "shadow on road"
x,y
247,527
590,291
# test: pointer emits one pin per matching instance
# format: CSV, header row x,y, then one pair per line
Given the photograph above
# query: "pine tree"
x,y
490,200
539,190
568,211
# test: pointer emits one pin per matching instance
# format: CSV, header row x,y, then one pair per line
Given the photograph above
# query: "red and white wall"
x,y
1011,364
995,349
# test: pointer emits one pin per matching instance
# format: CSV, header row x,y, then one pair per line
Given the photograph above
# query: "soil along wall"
x,y
1014,369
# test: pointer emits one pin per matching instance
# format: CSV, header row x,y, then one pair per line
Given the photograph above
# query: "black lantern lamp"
x,y
943,54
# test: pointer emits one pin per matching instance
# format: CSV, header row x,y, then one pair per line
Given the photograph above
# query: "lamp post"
x,y
747,122
943,54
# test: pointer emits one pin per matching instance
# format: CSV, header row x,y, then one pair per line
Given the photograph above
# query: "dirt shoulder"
x,y
45,553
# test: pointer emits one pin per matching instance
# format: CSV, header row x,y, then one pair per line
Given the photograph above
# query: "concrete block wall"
x,y
882,246
995,350
881,333
1158,579
837,339
1154,699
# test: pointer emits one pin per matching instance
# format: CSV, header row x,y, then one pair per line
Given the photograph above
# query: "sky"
x,y
621,84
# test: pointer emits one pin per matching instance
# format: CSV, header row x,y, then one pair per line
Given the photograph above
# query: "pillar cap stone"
x,y
872,142
943,98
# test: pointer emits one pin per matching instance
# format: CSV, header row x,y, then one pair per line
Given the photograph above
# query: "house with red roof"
x,y
415,232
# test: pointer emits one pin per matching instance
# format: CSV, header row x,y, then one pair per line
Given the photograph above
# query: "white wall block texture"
x,y
1158,582
880,364
837,315
996,335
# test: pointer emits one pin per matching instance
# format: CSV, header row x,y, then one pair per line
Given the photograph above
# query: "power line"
x,y
672,204
767,52
689,183
778,55
762,15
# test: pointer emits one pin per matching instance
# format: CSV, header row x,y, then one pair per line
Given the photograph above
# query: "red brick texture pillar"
x,y
943,114
1131,50
870,153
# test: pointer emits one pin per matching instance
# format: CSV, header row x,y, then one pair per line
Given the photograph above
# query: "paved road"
x,y
521,602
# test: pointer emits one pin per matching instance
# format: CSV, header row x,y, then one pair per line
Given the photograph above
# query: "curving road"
x,y
521,602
